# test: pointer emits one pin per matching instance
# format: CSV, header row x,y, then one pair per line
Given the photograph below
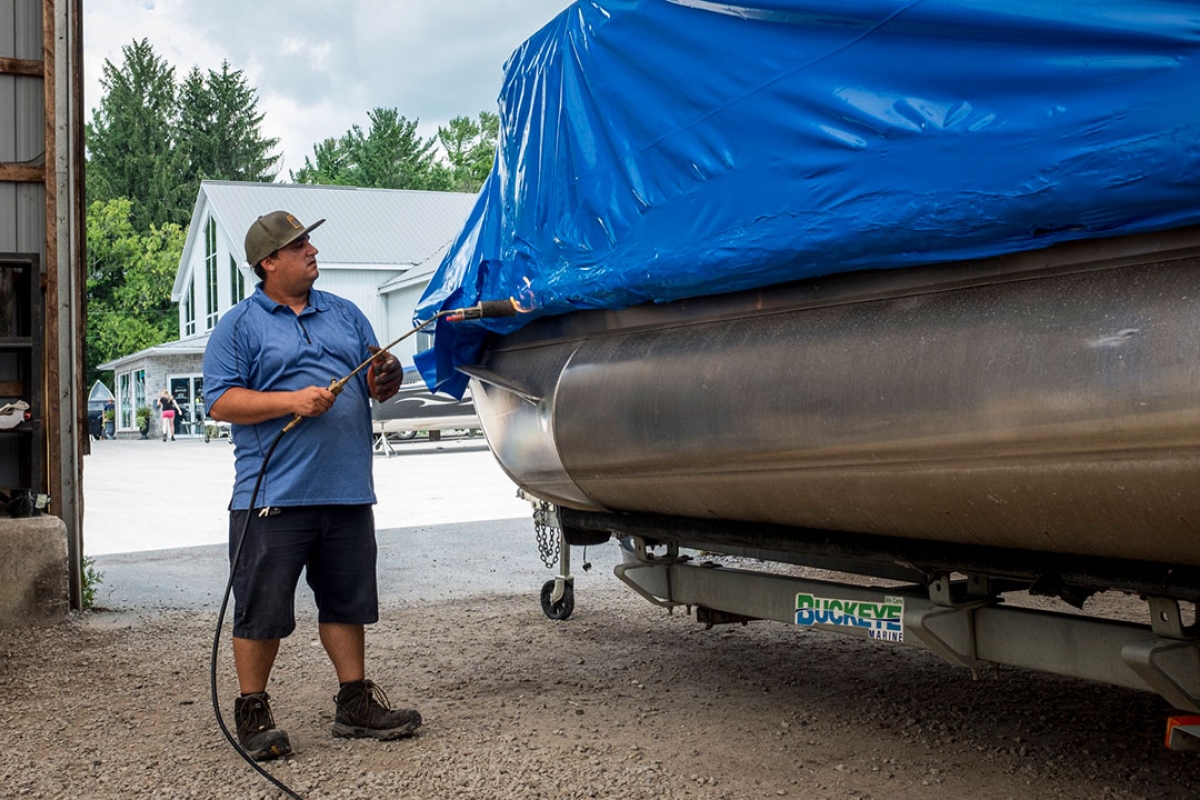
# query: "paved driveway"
x,y
155,495
449,524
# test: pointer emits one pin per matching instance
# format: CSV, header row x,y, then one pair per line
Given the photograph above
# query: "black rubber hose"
x,y
216,645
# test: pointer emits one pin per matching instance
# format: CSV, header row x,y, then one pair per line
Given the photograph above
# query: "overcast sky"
x,y
320,65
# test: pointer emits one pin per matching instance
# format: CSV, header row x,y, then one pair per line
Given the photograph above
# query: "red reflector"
x,y
1183,732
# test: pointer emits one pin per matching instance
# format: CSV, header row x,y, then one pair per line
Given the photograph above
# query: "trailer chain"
x,y
547,533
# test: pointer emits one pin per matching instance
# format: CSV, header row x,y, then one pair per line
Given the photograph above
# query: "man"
x,y
269,360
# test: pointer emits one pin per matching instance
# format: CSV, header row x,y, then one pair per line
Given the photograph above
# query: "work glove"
x,y
384,375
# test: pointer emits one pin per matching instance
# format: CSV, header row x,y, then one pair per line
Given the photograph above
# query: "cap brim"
x,y
300,233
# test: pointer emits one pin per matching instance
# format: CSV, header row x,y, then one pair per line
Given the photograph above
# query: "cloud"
x,y
318,66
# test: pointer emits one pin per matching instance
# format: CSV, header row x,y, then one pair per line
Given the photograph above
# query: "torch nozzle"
x,y
485,309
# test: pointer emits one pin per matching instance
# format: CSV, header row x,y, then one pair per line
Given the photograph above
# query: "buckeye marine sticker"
x,y
883,621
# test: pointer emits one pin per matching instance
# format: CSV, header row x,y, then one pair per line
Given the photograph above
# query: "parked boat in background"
x,y
416,410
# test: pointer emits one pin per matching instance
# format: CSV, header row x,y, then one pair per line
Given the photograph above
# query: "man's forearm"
x,y
248,407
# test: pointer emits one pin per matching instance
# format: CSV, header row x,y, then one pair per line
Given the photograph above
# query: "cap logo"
x,y
295,222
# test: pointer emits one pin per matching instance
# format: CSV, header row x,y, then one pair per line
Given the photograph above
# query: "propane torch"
x,y
485,309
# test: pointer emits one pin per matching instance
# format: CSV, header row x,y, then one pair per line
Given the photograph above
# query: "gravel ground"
x,y
621,701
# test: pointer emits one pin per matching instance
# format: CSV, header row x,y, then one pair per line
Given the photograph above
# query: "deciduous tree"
x,y
129,280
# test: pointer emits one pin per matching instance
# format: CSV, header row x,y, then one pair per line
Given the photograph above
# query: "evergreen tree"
x,y
193,129
219,129
150,143
470,149
153,142
388,155
129,141
330,167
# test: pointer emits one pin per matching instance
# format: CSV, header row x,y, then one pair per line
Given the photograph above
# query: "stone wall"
x,y
33,571
159,367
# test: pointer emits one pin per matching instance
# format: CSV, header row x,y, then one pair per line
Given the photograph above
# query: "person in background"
x,y
168,409
268,361
109,418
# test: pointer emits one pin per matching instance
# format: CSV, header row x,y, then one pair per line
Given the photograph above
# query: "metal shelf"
x,y
21,345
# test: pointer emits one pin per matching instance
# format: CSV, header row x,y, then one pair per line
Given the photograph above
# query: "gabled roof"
x,y
419,273
388,227
193,345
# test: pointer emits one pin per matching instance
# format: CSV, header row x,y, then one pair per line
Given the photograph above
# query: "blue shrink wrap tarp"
x,y
652,150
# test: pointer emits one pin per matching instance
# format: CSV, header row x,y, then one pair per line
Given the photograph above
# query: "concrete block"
x,y
33,571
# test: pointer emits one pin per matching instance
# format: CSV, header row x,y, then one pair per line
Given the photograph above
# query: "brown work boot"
x,y
256,729
363,711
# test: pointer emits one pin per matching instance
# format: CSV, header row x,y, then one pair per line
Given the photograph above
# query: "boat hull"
x,y
1048,402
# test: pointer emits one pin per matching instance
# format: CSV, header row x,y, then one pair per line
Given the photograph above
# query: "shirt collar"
x,y
316,301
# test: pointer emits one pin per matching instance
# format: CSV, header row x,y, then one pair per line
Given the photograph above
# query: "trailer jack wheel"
x,y
561,609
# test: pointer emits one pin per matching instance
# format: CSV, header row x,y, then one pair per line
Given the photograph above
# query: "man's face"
x,y
293,268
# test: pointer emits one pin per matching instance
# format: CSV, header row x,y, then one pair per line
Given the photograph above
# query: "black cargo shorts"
x,y
333,544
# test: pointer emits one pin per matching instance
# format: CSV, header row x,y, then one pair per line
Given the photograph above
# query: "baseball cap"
x,y
272,231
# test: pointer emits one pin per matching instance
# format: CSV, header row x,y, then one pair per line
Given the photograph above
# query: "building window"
x,y
237,283
210,273
189,311
139,388
124,401
131,395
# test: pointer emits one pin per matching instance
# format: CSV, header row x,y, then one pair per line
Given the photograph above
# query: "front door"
x,y
188,391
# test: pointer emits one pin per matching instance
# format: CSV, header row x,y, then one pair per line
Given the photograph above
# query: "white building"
x,y
373,240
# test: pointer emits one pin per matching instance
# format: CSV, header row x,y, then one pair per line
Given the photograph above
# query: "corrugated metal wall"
x,y
22,129
41,215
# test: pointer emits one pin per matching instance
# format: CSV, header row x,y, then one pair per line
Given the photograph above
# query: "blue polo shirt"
x,y
265,346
